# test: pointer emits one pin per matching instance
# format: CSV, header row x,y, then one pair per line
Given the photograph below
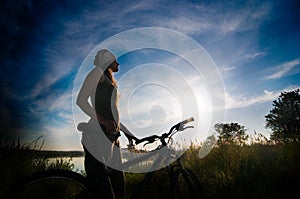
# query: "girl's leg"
x,y
97,177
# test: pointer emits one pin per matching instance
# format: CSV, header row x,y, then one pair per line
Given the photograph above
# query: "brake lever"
x,y
183,127
150,141
147,143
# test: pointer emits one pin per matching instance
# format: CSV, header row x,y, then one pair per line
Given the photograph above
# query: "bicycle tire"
x,y
186,185
59,184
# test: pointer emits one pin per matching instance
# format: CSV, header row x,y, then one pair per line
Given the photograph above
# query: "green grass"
x,y
230,171
19,161
255,171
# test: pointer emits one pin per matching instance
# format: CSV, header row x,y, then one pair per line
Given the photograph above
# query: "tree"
x,y
284,118
230,133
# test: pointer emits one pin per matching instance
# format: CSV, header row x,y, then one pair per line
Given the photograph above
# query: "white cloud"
x,y
187,25
284,69
216,18
224,68
53,102
254,55
233,102
57,71
60,132
62,102
243,19
144,5
62,138
66,116
189,20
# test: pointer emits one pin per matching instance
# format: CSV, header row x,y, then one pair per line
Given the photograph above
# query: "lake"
x,y
77,161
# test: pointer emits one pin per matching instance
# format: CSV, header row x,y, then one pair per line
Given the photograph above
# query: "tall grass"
x,y
20,160
250,171
260,169
233,171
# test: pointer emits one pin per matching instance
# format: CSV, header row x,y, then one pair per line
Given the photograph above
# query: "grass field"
x,y
231,171
255,171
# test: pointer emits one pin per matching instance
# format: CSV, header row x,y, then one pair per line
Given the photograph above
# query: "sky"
x,y
252,48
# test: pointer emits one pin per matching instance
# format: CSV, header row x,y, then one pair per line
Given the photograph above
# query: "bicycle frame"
x,y
161,150
164,154
171,169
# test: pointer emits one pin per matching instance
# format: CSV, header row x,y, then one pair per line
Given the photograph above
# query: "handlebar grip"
x,y
187,120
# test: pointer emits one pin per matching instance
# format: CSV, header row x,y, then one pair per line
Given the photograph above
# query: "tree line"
x,y
283,120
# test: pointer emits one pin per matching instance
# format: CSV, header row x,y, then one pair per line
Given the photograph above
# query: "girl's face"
x,y
114,66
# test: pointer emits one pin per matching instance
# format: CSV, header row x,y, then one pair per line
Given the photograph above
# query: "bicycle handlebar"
x,y
178,127
187,120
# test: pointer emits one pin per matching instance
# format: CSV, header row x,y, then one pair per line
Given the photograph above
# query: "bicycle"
x,y
69,184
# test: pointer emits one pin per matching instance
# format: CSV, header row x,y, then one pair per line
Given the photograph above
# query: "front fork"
x,y
173,174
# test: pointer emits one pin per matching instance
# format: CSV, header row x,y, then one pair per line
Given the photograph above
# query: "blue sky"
x,y
255,46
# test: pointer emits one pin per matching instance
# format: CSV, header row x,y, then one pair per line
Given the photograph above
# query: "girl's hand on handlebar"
x,y
130,140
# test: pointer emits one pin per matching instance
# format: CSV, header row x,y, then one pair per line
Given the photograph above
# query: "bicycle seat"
x,y
87,126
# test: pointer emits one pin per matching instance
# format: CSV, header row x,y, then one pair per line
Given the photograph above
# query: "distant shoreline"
x,y
58,154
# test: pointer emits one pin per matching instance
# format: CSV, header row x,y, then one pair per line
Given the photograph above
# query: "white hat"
x,y
104,58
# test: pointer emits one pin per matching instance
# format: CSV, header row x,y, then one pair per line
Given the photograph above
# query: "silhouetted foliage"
x,y
265,171
284,118
231,133
20,160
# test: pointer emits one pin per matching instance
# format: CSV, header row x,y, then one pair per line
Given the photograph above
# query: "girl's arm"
x,y
87,90
128,134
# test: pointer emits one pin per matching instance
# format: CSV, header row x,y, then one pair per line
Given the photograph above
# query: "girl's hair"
x,y
110,75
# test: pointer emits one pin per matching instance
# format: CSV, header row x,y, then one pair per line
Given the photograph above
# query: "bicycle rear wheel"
x,y
58,184
187,185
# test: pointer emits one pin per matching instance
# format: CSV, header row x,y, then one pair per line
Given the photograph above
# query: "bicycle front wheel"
x,y
187,185
58,184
